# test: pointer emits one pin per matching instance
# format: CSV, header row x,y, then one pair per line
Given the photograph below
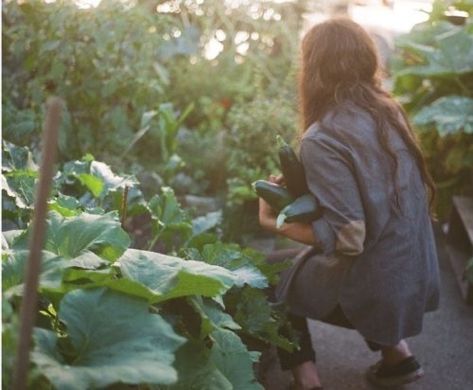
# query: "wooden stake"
x,y
36,241
124,207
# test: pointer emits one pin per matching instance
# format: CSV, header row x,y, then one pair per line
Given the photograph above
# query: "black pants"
x,y
305,352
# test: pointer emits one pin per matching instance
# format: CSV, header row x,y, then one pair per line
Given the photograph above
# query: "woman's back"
x,y
373,266
381,229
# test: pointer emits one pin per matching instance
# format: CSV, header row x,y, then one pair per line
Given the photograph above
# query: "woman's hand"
x,y
279,180
300,232
267,216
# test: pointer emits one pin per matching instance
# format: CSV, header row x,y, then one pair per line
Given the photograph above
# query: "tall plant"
x,y
434,78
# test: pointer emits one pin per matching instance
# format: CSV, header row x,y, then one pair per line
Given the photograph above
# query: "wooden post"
x,y
36,241
124,207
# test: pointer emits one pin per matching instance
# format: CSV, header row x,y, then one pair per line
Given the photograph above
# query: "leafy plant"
x,y
107,74
434,78
110,338
19,176
450,114
110,314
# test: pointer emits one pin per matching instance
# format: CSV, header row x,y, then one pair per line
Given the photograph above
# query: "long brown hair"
x,y
340,62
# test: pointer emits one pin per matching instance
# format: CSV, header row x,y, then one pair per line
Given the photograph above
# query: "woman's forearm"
x,y
300,232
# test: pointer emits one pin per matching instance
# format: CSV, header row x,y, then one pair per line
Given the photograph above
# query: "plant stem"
x,y
155,239
124,207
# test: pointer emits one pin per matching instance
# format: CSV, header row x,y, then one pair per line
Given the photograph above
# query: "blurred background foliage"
x,y
433,78
191,93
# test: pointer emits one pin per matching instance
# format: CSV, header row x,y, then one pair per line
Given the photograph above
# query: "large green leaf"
x,y
452,54
212,316
109,180
167,209
159,277
196,371
258,319
232,257
449,114
20,186
13,271
10,336
169,219
425,34
234,360
253,311
16,158
97,177
227,366
14,239
93,183
111,338
55,270
19,175
71,237
206,222
65,205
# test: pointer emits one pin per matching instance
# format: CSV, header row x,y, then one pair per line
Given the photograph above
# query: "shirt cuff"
x,y
324,235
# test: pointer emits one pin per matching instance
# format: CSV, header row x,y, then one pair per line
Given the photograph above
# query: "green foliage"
x,y
142,88
196,369
109,314
254,126
243,263
449,114
167,277
9,341
86,237
168,219
96,186
448,54
131,79
434,78
13,268
233,360
19,178
110,338
143,93
260,320
102,62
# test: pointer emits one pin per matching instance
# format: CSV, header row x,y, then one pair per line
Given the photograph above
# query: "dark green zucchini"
x,y
278,197
291,169
304,209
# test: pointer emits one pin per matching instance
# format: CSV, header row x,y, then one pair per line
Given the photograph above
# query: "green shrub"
x,y
433,77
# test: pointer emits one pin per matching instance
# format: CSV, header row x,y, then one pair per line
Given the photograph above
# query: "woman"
x,y
373,266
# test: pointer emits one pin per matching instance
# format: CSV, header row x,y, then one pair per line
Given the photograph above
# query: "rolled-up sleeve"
x,y
341,228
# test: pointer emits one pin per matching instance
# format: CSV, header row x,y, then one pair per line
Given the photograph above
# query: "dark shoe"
x,y
408,370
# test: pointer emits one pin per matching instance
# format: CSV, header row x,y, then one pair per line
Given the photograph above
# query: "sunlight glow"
x,y
84,4
212,49
399,19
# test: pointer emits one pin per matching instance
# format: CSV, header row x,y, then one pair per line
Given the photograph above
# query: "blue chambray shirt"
x,y
379,262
